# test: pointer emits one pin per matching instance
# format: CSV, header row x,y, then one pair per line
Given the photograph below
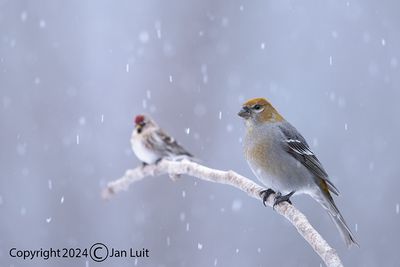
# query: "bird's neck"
x,y
270,117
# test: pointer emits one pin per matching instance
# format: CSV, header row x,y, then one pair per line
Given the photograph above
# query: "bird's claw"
x,y
279,198
264,194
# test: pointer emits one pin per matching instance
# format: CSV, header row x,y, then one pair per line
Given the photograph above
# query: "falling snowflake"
x,y
82,121
315,142
42,24
21,149
371,166
23,211
157,27
24,16
144,37
393,62
224,22
236,205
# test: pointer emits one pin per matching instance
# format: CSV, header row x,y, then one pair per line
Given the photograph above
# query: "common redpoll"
x,y
151,144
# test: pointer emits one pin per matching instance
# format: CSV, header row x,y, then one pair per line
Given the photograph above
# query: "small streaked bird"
x,y
282,160
151,144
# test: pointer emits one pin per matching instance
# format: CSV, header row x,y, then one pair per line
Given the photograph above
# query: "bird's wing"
x,y
296,146
168,145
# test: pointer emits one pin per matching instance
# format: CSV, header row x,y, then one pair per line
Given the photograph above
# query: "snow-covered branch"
x,y
176,168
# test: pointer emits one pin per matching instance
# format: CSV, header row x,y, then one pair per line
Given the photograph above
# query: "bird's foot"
x,y
144,164
158,161
279,198
265,195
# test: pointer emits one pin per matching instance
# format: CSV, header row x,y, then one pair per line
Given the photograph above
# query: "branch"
x,y
176,168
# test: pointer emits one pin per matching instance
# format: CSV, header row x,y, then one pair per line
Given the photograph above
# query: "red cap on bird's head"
x,y
139,119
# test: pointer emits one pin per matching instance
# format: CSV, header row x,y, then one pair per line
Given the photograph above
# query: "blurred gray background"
x,y
73,74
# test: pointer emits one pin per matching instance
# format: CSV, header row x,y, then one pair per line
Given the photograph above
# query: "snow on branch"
x,y
176,168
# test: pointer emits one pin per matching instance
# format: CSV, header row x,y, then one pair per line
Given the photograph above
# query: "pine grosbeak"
x,y
282,160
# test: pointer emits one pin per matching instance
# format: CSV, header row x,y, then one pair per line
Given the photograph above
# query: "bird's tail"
x,y
326,201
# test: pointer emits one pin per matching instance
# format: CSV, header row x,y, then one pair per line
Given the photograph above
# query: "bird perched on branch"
x,y
151,144
282,160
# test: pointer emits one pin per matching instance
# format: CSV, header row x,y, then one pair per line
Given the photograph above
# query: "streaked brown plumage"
x,y
151,144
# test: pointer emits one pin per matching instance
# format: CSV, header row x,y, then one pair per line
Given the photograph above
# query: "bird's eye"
x,y
257,107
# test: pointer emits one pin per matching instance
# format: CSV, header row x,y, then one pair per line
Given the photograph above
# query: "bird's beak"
x,y
139,125
244,113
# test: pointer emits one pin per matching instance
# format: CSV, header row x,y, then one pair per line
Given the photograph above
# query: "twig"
x,y
176,168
